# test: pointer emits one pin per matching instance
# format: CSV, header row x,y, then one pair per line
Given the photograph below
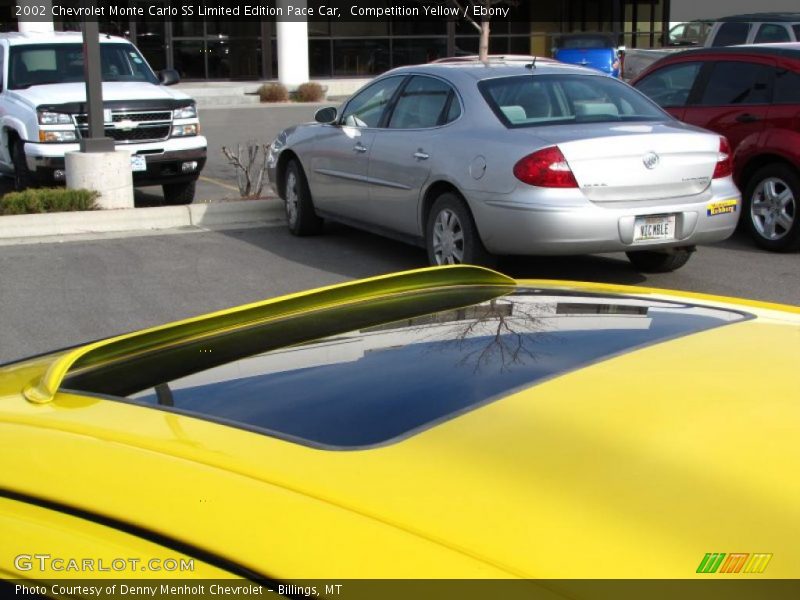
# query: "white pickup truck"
x,y
756,28
43,113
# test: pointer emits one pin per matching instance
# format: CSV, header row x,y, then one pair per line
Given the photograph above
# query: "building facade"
x,y
227,49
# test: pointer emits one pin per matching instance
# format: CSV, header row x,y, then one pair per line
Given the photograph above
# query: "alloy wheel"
x,y
773,208
448,238
291,197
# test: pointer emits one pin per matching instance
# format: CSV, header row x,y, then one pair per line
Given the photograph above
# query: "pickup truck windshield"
x,y
43,64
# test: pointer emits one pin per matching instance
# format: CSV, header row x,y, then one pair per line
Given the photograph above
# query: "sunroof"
x,y
373,382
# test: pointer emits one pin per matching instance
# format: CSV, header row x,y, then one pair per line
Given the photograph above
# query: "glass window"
x,y
63,63
787,87
152,47
367,107
415,51
360,57
454,110
419,27
466,46
371,372
730,34
234,59
361,28
319,58
796,29
770,33
677,33
189,59
2,65
736,83
225,26
187,28
421,104
520,45
671,85
526,101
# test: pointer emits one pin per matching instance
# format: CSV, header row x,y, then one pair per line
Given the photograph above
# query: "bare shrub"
x,y
273,92
250,163
310,92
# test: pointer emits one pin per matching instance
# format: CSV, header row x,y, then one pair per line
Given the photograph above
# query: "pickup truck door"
x,y
733,100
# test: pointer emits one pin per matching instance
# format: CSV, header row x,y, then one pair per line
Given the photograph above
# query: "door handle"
x,y
419,154
359,147
747,118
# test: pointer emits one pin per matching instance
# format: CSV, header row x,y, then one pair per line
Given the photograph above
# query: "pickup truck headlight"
x,y
57,136
53,118
185,112
185,130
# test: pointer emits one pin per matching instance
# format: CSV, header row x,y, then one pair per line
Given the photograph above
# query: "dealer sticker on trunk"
x,y
721,208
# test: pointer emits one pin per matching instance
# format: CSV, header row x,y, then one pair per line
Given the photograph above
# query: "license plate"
x,y
648,229
138,163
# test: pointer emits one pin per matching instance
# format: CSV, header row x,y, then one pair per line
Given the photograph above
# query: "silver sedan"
x,y
472,161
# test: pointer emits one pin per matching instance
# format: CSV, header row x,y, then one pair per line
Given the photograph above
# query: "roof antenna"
x,y
532,65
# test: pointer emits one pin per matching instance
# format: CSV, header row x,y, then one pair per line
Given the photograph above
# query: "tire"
x,y
23,178
451,236
300,215
648,261
179,193
772,208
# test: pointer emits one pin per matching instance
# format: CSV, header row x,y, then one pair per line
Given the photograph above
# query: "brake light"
x,y
545,168
724,165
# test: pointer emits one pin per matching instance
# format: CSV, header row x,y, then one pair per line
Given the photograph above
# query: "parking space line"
x,y
222,184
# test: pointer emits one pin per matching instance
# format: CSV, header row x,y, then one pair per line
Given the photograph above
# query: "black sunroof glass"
x,y
383,382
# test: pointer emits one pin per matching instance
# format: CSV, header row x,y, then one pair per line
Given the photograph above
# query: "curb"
x,y
140,219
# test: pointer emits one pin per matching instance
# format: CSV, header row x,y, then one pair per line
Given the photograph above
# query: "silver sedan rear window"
x,y
526,101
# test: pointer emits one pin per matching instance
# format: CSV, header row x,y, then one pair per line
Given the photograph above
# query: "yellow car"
x,y
439,423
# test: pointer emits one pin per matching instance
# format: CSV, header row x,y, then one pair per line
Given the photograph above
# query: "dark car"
x,y
594,50
751,95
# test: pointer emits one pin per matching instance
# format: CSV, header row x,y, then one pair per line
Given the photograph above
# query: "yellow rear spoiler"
x,y
122,346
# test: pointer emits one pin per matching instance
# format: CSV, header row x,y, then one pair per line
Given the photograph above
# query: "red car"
x,y
751,95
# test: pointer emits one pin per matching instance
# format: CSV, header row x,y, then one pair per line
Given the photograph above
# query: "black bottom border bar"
x,y
416,589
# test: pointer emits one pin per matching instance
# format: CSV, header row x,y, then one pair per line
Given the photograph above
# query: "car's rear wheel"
x,y
771,203
649,261
179,193
451,237
300,214
23,178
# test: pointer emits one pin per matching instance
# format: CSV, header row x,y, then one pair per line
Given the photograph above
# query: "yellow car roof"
x,y
623,419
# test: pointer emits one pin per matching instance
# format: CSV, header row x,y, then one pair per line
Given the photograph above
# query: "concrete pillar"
x,y
35,23
292,46
108,173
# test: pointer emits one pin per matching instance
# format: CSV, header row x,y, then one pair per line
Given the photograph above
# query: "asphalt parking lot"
x,y
67,292
59,294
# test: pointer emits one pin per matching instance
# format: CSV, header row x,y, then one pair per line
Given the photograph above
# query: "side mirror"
x,y
168,77
325,115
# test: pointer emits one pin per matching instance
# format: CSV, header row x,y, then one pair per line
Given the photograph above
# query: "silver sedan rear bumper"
x,y
524,223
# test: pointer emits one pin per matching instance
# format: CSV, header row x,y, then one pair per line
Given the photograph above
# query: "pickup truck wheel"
x,y
300,215
23,178
659,262
771,207
179,193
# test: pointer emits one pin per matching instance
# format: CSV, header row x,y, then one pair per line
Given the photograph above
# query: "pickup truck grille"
x,y
142,126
